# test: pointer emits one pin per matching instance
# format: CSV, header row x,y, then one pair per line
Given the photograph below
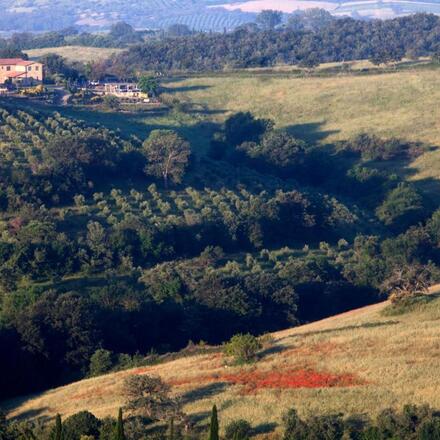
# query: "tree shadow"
x,y
311,132
199,417
183,89
204,392
30,414
264,428
345,328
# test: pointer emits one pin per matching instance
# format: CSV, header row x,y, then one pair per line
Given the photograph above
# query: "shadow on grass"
x,y
311,132
264,428
183,89
31,414
367,325
204,392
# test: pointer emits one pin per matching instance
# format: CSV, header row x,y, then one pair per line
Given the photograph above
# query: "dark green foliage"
x,y
3,426
277,150
269,19
244,127
429,429
79,424
412,423
371,147
323,40
119,433
148,85
167,154
58,430
402,207
243,348
238,430
101,362
213,425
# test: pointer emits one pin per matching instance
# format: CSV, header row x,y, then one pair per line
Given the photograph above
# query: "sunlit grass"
x,y
75,53
394,360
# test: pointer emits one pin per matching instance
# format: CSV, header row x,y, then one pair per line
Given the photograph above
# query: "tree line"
x,y
148,395
249,46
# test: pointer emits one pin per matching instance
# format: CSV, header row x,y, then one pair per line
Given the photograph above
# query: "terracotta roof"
x,y
15,61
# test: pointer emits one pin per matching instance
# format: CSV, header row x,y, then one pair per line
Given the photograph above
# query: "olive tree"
x,y
150,397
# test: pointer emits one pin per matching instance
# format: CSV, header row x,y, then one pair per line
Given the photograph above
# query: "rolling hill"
x,y
358,362
205,15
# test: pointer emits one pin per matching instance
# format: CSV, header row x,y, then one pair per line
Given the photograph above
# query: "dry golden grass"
x,y
394,360
75,53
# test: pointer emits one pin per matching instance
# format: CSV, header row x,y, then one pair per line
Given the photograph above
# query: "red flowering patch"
x,y
291,379
256,380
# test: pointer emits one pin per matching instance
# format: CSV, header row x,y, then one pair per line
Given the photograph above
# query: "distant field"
x,y
357,363
75,53
402,104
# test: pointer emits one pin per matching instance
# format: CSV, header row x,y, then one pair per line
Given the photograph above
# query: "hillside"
x,y
358,362
206,15
36,15
333,108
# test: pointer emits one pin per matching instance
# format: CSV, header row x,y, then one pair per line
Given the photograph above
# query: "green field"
x,y
75,53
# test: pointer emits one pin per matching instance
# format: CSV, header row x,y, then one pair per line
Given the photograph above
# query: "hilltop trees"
x,y
269,19
167,155
308,41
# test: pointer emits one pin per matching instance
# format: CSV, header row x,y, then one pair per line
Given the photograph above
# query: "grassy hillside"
x,y
358,362
402,104
75,53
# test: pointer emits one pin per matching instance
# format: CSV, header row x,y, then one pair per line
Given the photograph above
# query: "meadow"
x,y
359,362
81,54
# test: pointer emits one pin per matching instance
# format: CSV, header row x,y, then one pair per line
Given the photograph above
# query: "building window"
x,y
8,68
29,68
37,68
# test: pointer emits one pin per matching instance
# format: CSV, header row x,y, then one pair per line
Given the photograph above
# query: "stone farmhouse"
x,y
21,72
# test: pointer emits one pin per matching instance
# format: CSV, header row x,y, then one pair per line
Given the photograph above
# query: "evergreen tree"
x,y
119,430
58,434
213,426
171,432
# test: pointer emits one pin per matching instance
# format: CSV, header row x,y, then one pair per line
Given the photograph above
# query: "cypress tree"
x,y
213,426
58,435
119,431
171,433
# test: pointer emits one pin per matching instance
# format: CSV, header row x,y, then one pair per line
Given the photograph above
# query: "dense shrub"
x,y
81,424
243,348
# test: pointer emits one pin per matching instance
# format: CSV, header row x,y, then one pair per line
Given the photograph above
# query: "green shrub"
x,y
81,424
101,362
243,348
